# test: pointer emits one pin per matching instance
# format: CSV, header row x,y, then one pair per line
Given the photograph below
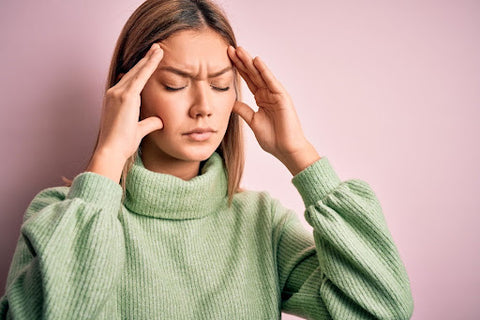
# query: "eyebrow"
x,y
189,75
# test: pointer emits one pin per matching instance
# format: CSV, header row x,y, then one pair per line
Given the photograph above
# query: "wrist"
x,y
106,164
301,159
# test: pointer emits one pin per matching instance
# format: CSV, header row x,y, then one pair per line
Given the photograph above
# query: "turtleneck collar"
x,y
165,196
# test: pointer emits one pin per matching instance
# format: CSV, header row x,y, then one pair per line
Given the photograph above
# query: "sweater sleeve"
x,y
350,267
69,254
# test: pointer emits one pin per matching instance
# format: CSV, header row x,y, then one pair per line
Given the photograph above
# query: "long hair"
x,y
156,20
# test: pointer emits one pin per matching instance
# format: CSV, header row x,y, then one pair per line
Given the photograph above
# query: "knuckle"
x,y
111,92
117,94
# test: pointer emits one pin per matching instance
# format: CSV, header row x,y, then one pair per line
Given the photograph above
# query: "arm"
x,y
70,252
350,267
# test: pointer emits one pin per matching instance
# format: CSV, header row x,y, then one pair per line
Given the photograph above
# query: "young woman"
x,y
157,226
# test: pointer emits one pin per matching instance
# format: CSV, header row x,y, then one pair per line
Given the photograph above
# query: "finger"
x,y
138,81
125,78
148,125
238,63
251,69
120,76
253,88
244,111
242,69
272,83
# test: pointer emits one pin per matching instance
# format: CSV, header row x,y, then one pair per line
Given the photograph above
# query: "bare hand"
x,y
276,125
120,130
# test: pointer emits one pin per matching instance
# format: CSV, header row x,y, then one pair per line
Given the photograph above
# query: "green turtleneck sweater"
x,y
174,250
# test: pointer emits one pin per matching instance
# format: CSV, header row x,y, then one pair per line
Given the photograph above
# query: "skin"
x,y
199,102
275,124
166,115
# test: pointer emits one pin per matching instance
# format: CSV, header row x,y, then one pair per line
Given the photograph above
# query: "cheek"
x,y
228,101
226,109
163,105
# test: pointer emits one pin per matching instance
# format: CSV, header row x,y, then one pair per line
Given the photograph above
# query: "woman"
x,y
157,226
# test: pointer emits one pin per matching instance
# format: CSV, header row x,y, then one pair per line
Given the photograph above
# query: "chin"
x,y
195,153
184,150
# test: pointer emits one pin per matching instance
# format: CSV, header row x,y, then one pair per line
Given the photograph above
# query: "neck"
x,y
158,161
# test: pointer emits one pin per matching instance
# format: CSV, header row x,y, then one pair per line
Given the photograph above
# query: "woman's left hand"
x,y
275,124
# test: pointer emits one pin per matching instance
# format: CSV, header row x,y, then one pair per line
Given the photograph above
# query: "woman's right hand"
x,y
120,131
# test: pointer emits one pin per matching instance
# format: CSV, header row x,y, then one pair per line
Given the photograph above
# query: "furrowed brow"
x,y
189,75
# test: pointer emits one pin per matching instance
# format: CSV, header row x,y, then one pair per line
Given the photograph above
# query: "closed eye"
x,y
221,89
176,89
173,89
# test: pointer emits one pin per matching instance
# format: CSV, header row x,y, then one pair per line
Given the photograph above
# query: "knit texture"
x,y
175,250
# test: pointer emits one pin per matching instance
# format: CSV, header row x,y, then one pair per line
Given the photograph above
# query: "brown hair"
x,y
156,20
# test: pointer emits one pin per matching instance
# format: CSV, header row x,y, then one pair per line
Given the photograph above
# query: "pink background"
x,y
388,91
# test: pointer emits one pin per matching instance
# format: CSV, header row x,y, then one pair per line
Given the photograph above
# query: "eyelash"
x,y
177,89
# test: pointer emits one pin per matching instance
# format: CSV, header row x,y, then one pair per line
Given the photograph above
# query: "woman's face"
x,y
191,88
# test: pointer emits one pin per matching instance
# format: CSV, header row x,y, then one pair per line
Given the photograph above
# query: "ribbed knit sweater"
x,y
175,250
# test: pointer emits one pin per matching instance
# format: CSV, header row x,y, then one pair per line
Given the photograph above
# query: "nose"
x,y
201,105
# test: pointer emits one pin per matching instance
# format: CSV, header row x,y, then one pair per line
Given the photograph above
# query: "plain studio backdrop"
x,y
389,91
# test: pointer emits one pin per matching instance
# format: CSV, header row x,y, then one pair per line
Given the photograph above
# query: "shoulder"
x,y
264,204
45,198
252,198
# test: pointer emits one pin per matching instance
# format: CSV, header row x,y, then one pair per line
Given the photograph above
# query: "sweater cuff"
x,y
316,181
96,189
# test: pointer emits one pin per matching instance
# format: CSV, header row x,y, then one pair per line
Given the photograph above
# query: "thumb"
x,y
148,125
244,111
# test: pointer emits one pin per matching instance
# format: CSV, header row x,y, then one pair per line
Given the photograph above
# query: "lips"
x,y
199,134
200,130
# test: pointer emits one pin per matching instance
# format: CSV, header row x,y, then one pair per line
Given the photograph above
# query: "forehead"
x,y
194,49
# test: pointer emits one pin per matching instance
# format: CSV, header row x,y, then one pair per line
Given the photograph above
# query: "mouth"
x,y
200,130
200,134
